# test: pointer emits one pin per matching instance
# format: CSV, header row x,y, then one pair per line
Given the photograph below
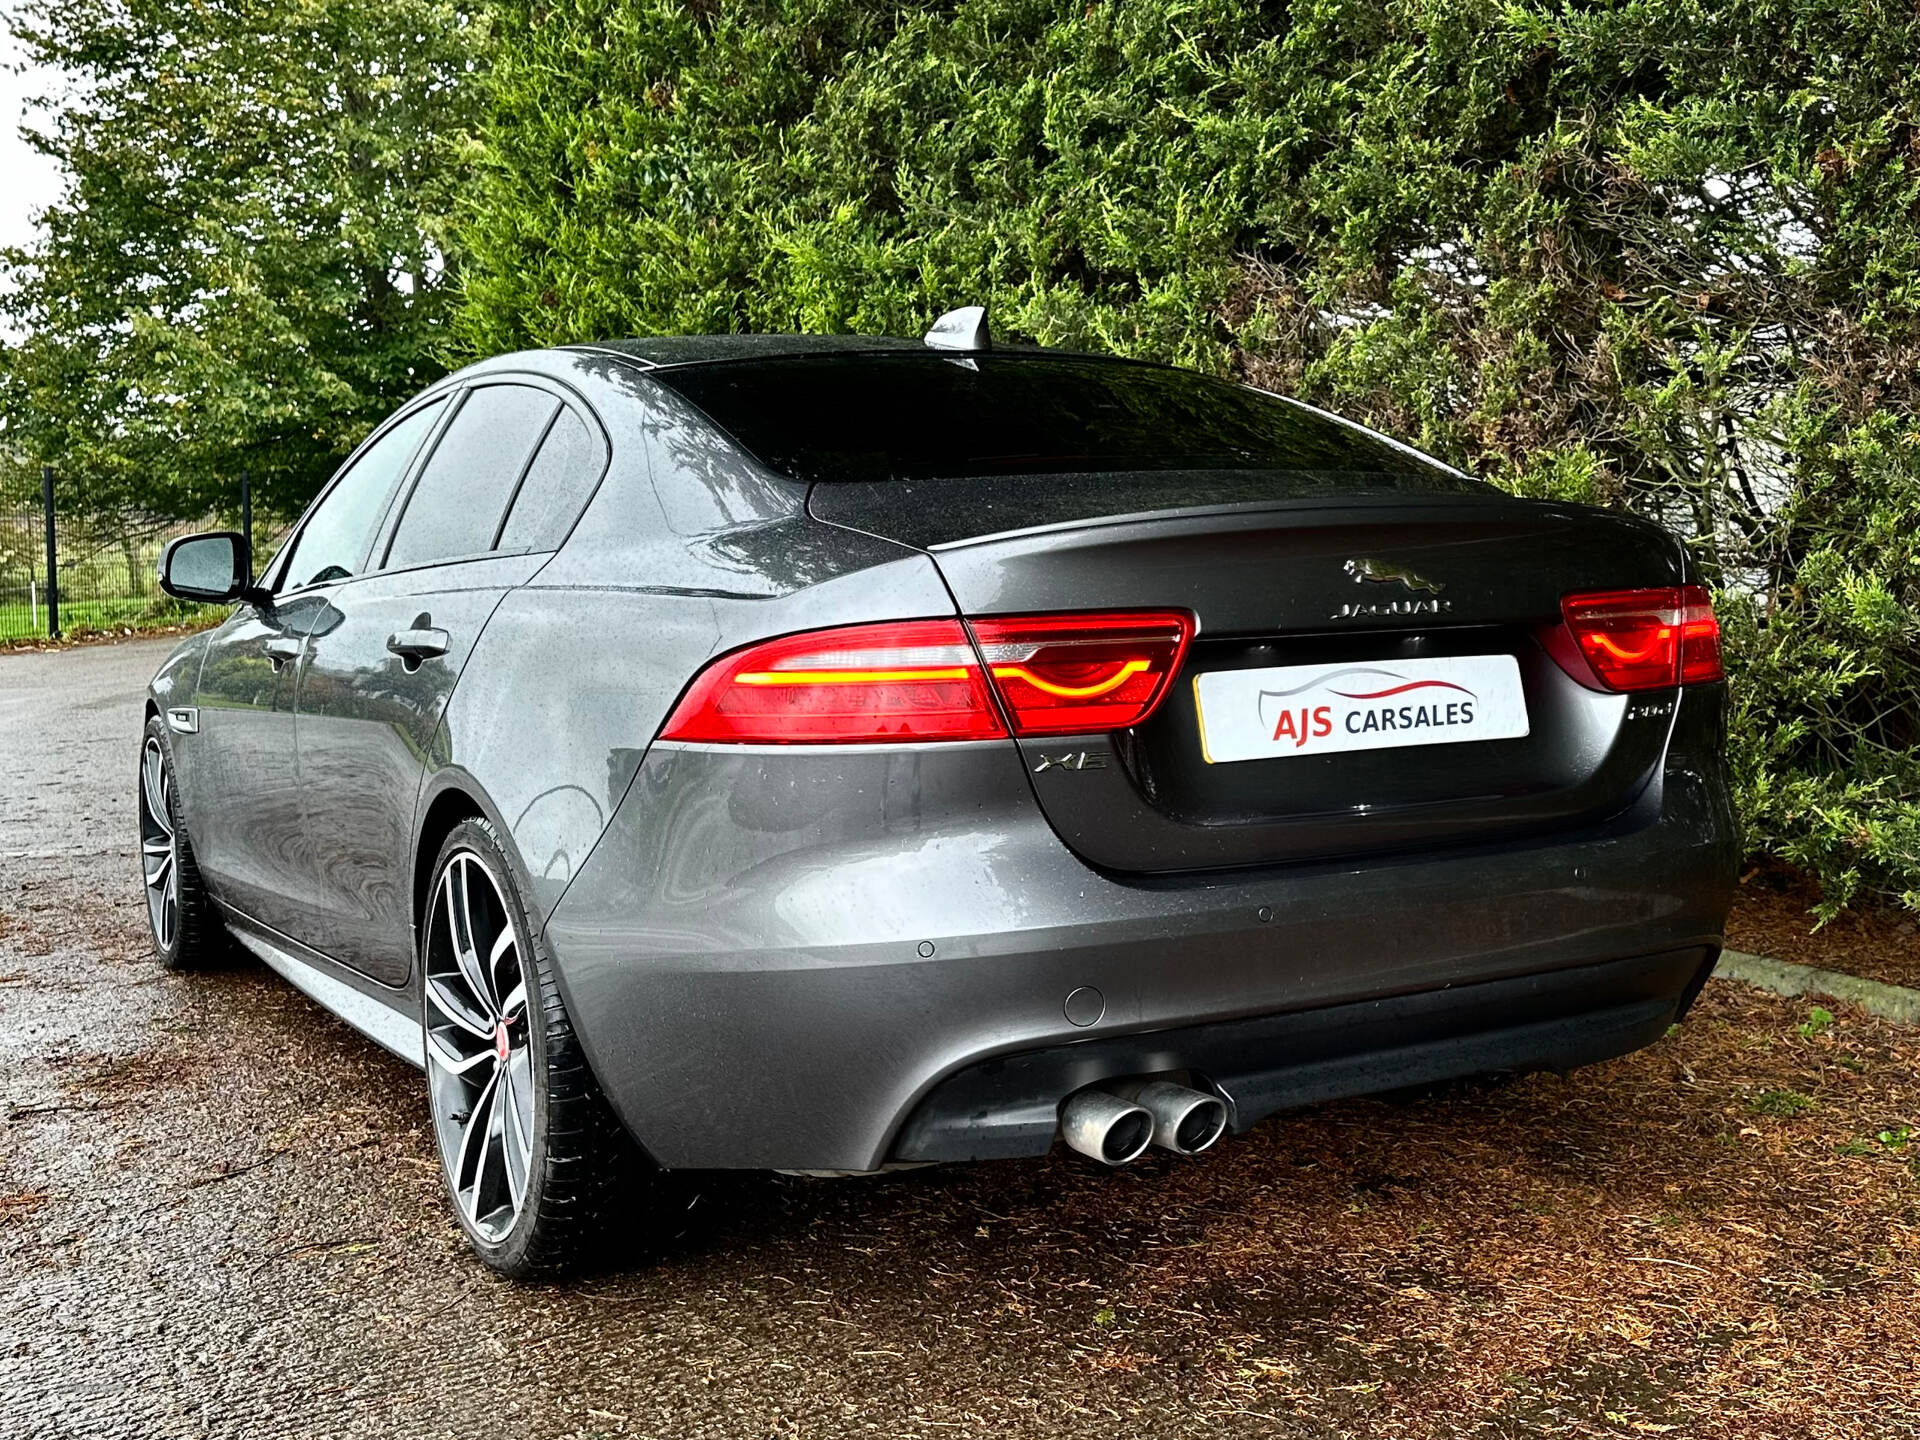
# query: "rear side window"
x,y
564,470
923,417
339,533
457,503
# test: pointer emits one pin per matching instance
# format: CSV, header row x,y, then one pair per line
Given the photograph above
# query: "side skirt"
x,y
390,1028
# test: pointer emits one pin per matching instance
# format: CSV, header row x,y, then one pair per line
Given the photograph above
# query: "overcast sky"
x,y
28,180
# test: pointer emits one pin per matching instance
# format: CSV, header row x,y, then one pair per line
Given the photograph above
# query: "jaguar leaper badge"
x,y
1385,572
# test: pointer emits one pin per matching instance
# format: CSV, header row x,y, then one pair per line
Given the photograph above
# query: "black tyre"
x,y
534,1159
181,916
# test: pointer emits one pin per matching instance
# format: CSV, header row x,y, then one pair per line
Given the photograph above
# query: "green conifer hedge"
x,y
1662,254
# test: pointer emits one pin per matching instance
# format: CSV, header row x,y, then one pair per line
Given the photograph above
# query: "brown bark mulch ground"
x,y
1773,916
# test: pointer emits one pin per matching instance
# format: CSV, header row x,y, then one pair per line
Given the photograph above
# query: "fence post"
x,y
53,555
246,519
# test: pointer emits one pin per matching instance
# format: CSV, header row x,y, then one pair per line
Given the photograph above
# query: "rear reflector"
x,y
1646,639
921,680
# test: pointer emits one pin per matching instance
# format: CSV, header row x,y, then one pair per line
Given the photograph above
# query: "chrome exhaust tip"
x,y
1104,1127
1185,1121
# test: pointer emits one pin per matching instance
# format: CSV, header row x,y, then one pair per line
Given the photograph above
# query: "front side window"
x,y
457,504
335,540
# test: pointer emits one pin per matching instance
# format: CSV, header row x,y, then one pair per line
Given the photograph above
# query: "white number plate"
x,y
1322,709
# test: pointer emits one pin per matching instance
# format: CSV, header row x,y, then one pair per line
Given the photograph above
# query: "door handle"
x,y
280,649
418,644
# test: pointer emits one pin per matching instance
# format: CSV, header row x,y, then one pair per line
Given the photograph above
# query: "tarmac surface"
x,y
220,1214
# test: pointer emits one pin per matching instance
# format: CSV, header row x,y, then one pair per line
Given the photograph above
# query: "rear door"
x,y
478,520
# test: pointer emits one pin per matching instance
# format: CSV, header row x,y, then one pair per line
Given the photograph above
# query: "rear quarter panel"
x,y
686,551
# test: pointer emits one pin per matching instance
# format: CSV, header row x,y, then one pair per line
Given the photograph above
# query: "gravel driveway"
x,y
220,1215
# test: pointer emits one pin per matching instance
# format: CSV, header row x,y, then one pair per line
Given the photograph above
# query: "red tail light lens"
x,y
1699,638
924,680
912,680
1646,639
1075,674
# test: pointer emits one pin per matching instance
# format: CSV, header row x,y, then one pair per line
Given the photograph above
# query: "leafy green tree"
x,y
248,268
1660,255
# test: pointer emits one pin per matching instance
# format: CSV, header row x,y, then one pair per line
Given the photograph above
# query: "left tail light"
x,y
916,680
1646,639
925,680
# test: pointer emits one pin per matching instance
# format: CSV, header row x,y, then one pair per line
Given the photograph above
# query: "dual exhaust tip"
x,y
1116,1122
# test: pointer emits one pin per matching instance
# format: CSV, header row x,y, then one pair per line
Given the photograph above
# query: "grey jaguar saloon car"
x,y
831,754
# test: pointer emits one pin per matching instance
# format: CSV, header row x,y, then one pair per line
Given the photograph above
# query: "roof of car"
x,y
664,351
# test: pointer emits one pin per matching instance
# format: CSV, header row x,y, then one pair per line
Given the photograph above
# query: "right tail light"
x,y
1646,639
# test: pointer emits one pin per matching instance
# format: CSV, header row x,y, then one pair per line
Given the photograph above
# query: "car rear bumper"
x,y
829,959
1557,1020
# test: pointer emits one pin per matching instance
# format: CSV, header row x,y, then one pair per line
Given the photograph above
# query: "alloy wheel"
x,y
159,845
479,1048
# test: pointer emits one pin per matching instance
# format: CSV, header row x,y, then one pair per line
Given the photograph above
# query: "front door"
x,y
244,794
249,824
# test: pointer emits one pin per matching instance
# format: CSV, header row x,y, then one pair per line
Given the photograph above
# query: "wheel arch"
x,y
446,810
450,797
447,799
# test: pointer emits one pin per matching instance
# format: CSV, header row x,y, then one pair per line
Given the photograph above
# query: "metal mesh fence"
x,y
23,564
106,568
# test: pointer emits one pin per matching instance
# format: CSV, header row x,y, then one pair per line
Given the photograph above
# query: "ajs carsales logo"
x,y
1367,702
1265,713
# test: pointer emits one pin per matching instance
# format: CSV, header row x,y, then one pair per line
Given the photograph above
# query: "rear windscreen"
x,y
928,417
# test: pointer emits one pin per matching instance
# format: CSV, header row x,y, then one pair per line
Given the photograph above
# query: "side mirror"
x,y
214,567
